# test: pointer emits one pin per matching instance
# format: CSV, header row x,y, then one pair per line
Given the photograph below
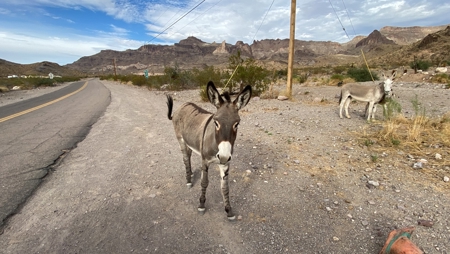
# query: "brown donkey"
x,y
210,135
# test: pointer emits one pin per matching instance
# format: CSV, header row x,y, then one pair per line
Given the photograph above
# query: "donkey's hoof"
x,y
231,218
189,185
201,210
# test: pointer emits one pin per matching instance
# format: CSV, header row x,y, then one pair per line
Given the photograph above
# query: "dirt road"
x,y
300,183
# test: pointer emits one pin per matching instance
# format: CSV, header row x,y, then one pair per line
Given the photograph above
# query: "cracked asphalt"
x,y
32,144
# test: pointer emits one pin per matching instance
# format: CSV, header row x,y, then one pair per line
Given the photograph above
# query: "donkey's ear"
x,y
394,73
213,95
243,97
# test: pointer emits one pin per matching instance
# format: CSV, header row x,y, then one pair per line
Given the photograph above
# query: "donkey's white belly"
x,y
369,97
195,150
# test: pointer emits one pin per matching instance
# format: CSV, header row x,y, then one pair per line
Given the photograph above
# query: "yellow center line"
x,y
42,105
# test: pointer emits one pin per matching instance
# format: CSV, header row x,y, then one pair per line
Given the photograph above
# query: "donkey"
x,y
210,135
373,94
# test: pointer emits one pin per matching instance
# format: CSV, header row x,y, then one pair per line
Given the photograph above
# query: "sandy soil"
x,y
301,182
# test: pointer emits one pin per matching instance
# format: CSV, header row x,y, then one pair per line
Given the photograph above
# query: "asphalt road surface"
x,y
36,133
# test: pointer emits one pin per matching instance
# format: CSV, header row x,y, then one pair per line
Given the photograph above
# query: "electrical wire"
x,y
195,7
343,28
262,21
198,16
348,15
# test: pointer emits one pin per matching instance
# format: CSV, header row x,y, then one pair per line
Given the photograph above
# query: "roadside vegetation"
x,y
7,84
419,136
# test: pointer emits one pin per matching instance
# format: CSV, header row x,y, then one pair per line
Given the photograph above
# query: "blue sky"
x,y
63,31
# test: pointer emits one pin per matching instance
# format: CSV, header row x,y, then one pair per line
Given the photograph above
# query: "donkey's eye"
x,y
217,124
235,126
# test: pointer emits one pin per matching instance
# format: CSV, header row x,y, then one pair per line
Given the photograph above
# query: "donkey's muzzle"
x,y
223,159
224,154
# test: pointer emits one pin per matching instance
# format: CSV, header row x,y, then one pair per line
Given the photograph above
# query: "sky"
x,y
63,31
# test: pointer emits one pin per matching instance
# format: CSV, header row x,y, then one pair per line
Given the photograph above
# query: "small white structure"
x,y
441,69
50,75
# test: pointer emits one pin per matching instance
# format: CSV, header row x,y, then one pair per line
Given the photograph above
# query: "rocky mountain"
x,y
408,35
193,52
434,47
36,69
374,38
379,48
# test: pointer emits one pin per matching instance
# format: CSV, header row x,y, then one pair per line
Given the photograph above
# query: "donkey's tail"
x,y
170,106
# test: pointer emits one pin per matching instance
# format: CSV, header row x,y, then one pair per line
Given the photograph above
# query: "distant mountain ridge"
x,y
193,52
36,69
374,38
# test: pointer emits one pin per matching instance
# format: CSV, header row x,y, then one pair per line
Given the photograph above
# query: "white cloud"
x,y
213,20
62,50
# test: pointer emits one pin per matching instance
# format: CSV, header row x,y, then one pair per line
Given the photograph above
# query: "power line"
x,y
339,19
348,15
262,21
195,7
199,15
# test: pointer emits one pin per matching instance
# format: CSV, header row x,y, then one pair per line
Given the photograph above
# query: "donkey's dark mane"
x,y
226,96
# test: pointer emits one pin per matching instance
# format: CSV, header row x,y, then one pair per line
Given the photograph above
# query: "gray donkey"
x,y
373,94
210,135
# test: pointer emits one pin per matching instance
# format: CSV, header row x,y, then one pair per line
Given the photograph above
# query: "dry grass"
x,y
419,136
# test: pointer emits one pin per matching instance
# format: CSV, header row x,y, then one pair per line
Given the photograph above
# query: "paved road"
x,y
38,131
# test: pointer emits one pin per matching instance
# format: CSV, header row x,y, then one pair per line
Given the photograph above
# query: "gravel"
x,y
300,182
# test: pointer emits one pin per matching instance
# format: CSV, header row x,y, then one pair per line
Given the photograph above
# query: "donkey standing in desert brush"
x,y
373,94
210,135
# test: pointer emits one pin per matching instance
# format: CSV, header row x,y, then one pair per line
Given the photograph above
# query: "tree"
x,y
248,72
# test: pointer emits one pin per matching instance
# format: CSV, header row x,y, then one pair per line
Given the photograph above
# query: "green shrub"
x,y
361,74
138,80
420,65
339,69
248,72
339,77
302,78
392,107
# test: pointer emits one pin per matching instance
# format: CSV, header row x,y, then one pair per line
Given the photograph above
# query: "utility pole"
x,y
115,72
291,49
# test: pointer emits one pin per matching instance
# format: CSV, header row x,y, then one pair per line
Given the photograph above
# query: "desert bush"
x,y
302,78
392,108
338,77
361,74
420,65
282,73
138,80
248,72
30,83
339,69
441,78
413,134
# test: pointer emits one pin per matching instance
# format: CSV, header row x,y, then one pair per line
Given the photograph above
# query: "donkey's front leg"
x,y
204,184
225,190
370,114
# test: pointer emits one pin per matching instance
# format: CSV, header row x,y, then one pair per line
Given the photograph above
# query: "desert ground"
x,y
301,181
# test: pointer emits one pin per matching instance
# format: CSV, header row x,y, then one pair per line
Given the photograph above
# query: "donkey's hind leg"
x,y
346,104
187,152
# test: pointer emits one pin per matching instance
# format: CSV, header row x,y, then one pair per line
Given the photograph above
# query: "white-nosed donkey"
x,y
372,94
210,135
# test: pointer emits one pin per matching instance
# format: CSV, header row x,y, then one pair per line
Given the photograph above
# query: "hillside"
x,y
434,47
36,69
390,46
